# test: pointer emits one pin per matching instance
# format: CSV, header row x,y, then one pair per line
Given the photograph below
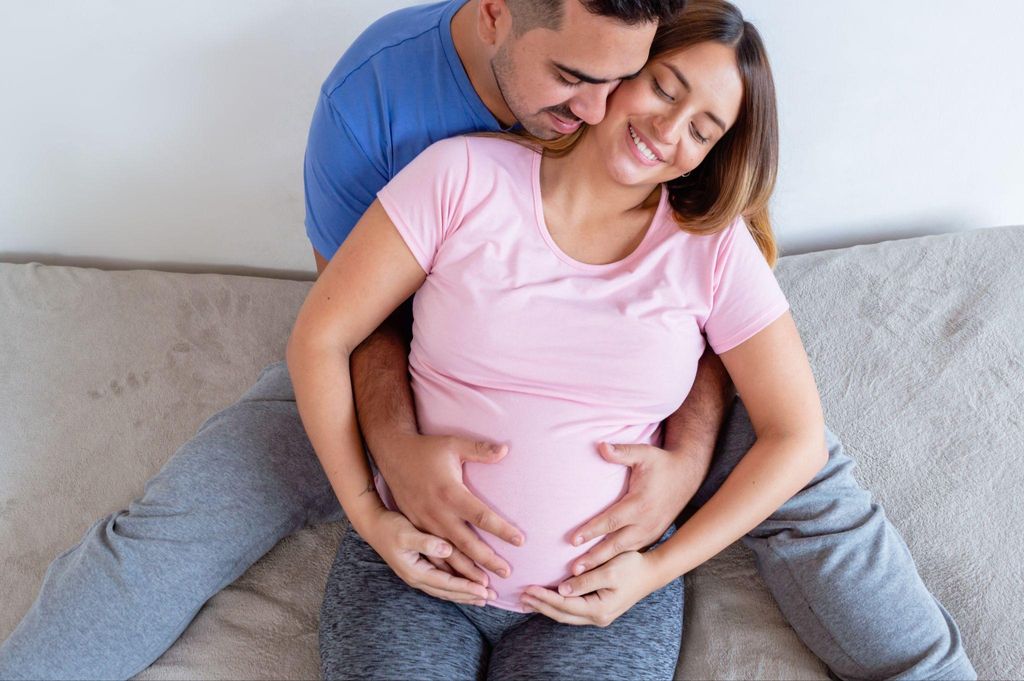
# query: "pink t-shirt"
x,y
515,342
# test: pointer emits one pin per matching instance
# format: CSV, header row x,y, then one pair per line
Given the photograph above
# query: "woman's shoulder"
x,y
706,245
712,238
486,142
498,145
478,150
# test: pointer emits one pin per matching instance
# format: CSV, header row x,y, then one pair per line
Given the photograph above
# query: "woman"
x,y
563,299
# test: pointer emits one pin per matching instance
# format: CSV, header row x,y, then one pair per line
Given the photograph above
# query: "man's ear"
x,y
493,21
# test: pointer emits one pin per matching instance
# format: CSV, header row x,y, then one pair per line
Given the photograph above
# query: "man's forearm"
x,y
380,382
693,428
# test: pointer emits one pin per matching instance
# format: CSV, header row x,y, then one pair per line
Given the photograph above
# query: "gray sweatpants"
x,y
840,572
375,627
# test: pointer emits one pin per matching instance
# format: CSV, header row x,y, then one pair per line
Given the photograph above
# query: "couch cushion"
x,y
916,347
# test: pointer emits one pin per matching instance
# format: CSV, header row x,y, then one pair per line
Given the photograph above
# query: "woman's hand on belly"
x,y
407,550
600,596
661,484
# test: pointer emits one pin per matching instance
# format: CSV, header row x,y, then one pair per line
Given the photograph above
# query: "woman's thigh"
x,y
643,643
375,626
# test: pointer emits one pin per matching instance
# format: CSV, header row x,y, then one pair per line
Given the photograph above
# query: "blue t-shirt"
x,y
399,88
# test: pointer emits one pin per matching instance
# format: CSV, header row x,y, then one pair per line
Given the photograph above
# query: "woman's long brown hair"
x,y
737,177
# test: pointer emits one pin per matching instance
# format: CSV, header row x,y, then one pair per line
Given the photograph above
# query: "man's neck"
x,y
476,61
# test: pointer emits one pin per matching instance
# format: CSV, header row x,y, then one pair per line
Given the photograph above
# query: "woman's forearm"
x,y
323,393
770,473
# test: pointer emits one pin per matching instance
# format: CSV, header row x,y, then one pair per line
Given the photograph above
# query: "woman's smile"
x,y
642,148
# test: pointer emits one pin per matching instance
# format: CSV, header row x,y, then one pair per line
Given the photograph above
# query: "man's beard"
x,y
536,124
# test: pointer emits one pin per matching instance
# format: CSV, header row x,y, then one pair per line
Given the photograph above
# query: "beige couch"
x,y
917,346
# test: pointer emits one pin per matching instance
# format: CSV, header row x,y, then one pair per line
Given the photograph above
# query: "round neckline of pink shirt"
x,y
542,227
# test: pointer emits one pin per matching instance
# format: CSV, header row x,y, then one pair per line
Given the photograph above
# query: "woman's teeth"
x,y
648,154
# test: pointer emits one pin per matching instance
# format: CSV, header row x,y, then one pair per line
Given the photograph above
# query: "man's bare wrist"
x,y
388,447
692,464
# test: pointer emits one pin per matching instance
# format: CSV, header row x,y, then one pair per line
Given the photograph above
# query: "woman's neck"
x,y
578,187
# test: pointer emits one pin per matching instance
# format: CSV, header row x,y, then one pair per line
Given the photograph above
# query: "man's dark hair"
x,y
530,14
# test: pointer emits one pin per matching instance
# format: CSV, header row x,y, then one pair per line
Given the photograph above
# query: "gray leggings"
x,y
375,626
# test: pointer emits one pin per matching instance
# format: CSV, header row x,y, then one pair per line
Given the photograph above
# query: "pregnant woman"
x,y
563,296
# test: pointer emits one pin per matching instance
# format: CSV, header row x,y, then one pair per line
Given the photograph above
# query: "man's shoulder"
x,y
399,39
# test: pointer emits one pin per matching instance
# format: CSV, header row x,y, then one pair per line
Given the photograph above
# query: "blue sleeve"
x,y
340,178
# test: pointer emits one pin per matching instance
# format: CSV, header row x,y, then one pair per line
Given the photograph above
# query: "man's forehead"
x,y
607,52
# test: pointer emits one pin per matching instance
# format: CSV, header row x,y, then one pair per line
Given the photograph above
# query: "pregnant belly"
x,y
551,481
547,490
548,496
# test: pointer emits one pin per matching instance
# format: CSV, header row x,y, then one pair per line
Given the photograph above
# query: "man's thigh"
x,y
251,461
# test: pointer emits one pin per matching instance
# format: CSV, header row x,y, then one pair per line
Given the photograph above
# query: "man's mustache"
x,y
563,112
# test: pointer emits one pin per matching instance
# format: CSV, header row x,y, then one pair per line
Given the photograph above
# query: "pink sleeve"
x,y
746,297
424,199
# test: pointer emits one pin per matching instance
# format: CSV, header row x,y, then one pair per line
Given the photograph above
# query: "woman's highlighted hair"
x,y
738,175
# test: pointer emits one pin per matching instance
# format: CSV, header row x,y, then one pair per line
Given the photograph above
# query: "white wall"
x,y
171,135
898,117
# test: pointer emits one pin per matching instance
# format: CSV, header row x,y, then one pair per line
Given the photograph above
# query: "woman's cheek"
x,y
685,162
635,97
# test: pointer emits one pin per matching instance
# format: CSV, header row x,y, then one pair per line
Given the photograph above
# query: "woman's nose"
x,y
667,128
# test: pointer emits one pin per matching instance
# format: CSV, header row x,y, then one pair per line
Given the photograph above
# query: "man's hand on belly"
x,y
428,487
661,484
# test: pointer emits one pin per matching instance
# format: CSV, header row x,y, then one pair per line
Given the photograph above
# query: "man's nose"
x,y
590,104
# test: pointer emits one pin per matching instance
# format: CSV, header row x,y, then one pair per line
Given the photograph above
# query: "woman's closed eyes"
x,y
658,90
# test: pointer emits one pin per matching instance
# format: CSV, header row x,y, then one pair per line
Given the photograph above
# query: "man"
x,y
249,477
